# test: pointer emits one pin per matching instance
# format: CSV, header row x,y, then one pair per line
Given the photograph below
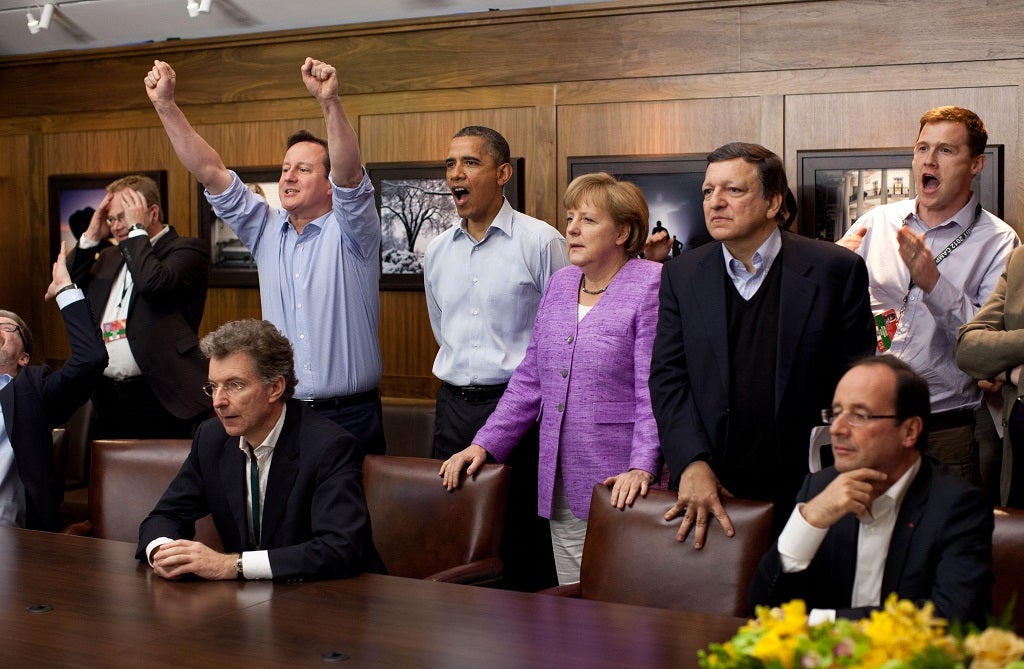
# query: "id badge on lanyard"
x,y
887,321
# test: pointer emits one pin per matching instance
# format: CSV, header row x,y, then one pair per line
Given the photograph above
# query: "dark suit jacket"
x,y
164,311
315,522
825,324
941,551
37,400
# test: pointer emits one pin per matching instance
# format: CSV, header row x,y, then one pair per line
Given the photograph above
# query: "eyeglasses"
x,y
10,327
854,418
115,219
232,388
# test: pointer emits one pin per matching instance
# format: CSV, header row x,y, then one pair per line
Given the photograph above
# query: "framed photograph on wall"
x,y
73,198
838,187
231,263
670,184
416,206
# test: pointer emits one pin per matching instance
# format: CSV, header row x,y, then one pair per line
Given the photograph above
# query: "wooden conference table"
x,y
80,602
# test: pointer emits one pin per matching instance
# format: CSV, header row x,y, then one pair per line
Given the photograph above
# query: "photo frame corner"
x,y
231,264
70,194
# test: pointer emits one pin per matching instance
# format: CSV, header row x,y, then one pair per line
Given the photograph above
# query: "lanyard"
x,y
953,245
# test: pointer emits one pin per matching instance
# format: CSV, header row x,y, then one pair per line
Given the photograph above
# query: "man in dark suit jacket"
x,y
883,519
35,400
752,332
283,483
148,293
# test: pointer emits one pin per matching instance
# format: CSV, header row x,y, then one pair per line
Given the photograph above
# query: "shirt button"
x,y
560,407
302,336
565,373
476,312
476,280
569,340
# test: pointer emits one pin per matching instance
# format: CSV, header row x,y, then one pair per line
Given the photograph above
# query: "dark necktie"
x,y
254,487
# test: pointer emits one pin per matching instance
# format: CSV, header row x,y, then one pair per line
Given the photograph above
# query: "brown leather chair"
x,y
423,531
127,478
631,556
1007,553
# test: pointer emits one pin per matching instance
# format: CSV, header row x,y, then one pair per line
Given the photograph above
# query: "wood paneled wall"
x,y
630,77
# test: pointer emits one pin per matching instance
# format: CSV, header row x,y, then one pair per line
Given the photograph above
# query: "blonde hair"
x,y
624,202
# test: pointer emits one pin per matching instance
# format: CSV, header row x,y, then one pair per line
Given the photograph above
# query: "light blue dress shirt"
x,y
482,297
926,334
746,282
320,288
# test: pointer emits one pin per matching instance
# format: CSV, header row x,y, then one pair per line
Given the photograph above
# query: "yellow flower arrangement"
x,y
899,636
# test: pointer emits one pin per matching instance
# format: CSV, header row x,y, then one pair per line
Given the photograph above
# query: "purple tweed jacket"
x,y
586,382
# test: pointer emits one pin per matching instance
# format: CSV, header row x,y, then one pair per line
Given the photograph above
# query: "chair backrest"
x,y
1007,552
419,528
127,478
631,556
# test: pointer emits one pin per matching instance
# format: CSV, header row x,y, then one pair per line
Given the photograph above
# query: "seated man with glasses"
x,y
883,519
282,482
34,399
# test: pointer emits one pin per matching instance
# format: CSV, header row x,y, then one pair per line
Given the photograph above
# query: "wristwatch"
x,y
238,567
137,226
70,286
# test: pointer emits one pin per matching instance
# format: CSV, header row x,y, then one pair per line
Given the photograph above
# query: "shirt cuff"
x,y
137,233
256,565
86,243
799,542
70,296
153,545
818,616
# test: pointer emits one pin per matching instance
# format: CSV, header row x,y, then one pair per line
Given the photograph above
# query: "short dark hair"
x,y
912,395
623,201
23,331
771,173
144,185
270,351
304,135
494,143
977,134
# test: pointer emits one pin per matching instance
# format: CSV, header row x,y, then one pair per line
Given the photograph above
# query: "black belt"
x,y
344,401
477,393
946,420
127,382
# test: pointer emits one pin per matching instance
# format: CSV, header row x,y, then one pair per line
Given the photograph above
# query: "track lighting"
x,y
197,7
45,14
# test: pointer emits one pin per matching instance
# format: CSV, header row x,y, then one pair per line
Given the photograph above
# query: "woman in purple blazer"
x,y
586,369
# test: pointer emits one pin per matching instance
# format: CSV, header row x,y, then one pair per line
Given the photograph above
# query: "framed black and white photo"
x,y
416,206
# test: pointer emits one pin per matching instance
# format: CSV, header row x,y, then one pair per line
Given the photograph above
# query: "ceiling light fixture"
x,y
45,14
195,8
